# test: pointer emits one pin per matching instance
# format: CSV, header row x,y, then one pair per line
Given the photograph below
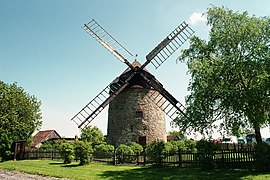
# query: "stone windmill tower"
x,y
137,100
140,119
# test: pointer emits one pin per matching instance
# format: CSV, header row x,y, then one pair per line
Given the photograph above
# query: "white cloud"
x,y
197,17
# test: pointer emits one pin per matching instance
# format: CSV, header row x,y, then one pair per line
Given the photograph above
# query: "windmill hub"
x,y
137,101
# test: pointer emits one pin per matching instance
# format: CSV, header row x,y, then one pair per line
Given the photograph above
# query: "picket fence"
x,y
243,158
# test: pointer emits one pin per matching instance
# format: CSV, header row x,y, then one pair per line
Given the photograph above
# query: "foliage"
x,y
177,134
104,148
136,148
124,153
83,151
262,157
180,145
190,144
156,152
66,151
172,146
206,146
92,135
19,116
205,153
46,147
229,73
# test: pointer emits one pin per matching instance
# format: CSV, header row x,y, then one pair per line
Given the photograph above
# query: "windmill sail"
x,y
169,45
164,99
106,40
94,107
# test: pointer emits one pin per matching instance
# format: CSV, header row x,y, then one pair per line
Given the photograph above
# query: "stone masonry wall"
x,y
124,127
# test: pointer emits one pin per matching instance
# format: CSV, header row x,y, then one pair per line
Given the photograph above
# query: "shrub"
x,y
124,153
104,149
136,148
262,154
156,152
190,145
171,147
205,153
83,152
66,152
175,146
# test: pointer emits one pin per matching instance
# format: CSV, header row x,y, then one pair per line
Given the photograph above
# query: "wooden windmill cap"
x,y
134,64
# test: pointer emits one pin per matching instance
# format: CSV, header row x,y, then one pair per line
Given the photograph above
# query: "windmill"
x,y
137,101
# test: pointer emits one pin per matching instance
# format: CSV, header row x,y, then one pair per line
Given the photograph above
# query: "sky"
x,y
44,49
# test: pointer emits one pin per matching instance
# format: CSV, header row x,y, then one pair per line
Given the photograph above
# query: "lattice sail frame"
x,y
157,56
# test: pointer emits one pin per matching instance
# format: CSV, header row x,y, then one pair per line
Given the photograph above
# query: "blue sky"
x,y
44,49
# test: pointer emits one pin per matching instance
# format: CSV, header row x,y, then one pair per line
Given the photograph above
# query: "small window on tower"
x,y
139,114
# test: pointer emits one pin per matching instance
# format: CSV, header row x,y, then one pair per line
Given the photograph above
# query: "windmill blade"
x,y
106,40
94,107
169,45
164,99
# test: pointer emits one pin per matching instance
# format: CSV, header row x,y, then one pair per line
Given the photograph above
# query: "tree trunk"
x,y
258,134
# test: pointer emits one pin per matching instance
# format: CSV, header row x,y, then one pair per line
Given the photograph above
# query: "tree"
x,y
230,73
92,135
20,116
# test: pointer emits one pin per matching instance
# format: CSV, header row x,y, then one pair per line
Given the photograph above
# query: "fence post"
x,y
180,158
114,156
144,156
222,158
52,154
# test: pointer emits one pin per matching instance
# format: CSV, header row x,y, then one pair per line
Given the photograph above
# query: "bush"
x,y
262,155
136,148
156,152
190,145
205,153
83,151
171,147
124,153
104,149
66,152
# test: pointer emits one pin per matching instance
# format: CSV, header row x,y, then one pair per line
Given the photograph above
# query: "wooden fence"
x,y
239,159
225,158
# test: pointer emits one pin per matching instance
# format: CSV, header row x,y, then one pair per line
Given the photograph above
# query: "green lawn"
x,y
102,171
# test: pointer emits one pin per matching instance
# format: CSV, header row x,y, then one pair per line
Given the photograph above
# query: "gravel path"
x,y
11,175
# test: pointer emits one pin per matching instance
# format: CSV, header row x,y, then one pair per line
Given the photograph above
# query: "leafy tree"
x,y
230,73
20,116
92,135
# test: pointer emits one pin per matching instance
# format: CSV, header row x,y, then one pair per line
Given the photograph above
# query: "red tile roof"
x,y
42,136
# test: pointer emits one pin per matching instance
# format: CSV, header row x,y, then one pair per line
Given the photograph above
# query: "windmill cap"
x,y
134,64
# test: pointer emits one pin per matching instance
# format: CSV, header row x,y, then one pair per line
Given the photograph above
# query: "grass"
x,y
102,171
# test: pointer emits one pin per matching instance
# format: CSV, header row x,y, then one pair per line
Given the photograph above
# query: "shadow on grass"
x,y
71,165
64,165
152,173
56,163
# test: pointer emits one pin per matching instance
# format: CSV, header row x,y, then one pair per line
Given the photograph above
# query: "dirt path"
x,y
12,175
